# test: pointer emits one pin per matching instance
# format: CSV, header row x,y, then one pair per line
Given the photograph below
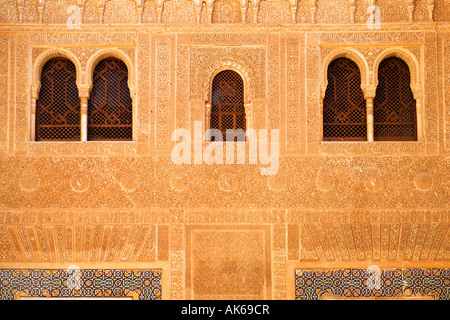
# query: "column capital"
x,y
83,92
369,92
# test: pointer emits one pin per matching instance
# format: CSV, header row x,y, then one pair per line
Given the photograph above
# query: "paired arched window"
x,y
344,107
394,107
58,104
58,109
110,115
227,105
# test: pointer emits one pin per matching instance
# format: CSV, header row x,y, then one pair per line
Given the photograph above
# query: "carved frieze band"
x,y
144,235
220,11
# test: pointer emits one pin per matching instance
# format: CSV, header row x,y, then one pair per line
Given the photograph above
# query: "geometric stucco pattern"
x,y
127,206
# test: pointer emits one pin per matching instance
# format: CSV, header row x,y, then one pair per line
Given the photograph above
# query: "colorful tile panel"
x,y
361,283
143,284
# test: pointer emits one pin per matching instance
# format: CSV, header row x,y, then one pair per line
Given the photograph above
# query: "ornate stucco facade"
x,y
224,231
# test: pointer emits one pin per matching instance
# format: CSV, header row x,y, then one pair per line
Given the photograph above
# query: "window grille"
x,y
394,105
227,107
344,107
58,104
110,105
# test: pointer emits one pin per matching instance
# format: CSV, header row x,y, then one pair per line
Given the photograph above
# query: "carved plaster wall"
x,y
126,205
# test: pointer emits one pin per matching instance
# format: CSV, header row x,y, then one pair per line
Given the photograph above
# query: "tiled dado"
x,y
372,284
137,284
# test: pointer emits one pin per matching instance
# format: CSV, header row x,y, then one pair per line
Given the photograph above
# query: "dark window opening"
x,y
227,107
58,104
394,109
344,106
110,115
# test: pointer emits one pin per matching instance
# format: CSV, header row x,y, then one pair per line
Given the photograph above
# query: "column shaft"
x,y
370,128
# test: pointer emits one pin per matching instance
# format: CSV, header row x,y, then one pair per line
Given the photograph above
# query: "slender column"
x,y
83,93
101,9
430,10
255,13
34,97
134,133
244,14
312,8
294,13
207,124
352,9
419,115
40,8
159,13
20,6
210,13
369,110
139,10
198,12
411,10
84,118
248,117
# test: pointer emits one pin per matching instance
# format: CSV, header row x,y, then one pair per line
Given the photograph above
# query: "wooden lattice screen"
x,y
344,107
58,104
227,107
394,105
110,115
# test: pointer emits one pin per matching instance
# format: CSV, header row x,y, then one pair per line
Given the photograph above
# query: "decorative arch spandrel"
x,y
351,54
274,11
30,11
120,11
90,12
8,11
111,52
227,11
179,11
249,62
410,59
55,11
303,13
394,11
149,13
441,10
332,11
45,56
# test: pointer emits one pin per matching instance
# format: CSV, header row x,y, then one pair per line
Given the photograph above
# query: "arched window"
x,y
227,105
344,107
110,115
394,107
58,104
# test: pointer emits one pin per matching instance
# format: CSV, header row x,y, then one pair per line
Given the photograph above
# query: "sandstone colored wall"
x,y
126,205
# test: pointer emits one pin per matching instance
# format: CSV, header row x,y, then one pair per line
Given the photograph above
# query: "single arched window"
x,y
110,115
227,105
344,106
58,104
394,107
